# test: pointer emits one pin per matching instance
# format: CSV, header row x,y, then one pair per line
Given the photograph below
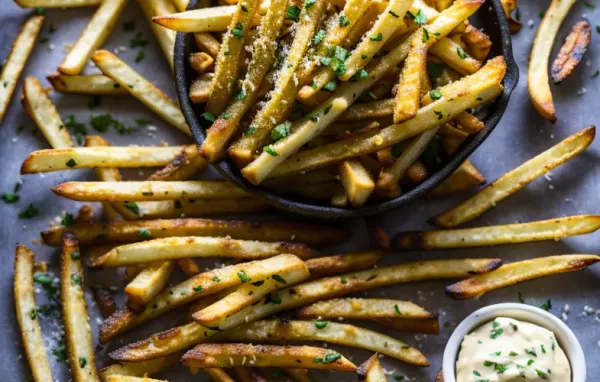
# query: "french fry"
x,y
228,62
284,92
332,265
201,88
84,215
553,229
93,36
92,157
479,43
246,295
41,109
371,370
147,284
368,110
165,37
78,338
142,368
16,60
31,332
200,285
148,191
197,247
202,208
388,23
212,19
464,178
57,3
469,123
363,309
356,181
123,378
516,179
298,375
227,355
455,57
427,326
205,41
185,165
141,88
341,334
316,235
537,72
105,301
572,51
88,85
217,375
201,62
481,87
226,126
518,272
310,126
509,6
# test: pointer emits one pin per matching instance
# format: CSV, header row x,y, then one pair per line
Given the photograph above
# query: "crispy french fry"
x,y
31,332
572,51
481,87
205,41
516,179
341,334
371,370
141,88
509,6
41,109
388,23
201,62
357,182
309,127
464,178
202,208
148,191
185,165
93,36
537,73
228,62
147,284
368,110
88,85
78,337
455,57
226,355
16,60
200,285
212,19
164,36
226,126
92,157
105,301
284,92
84,215
553,229
427,326
332,265
201,88
248,294
518,272
173,248
57,3
469,123
142,368
479,43
363,309
189,267
316,235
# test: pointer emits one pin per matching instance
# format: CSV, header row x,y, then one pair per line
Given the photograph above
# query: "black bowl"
x,y
490,16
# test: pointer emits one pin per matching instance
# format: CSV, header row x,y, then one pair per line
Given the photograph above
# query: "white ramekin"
x,y
566,339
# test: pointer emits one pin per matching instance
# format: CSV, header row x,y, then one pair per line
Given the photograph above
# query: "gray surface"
x,y
520,135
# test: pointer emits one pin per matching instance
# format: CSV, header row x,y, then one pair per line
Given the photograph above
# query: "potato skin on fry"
x,y
572,51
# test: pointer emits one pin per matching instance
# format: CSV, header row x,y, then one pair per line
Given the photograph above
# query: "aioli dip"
x,y
506,349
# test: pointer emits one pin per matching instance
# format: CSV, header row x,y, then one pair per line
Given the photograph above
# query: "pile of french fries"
x,y
346,152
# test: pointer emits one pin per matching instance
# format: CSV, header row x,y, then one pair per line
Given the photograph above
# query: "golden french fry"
x,y
337,264
201,88
537,72
147,284
41,109
408,93
202,208
317,235
31,332
93,36
57,3
518,272
164,36
479,43
141,88
88,85
516,179
368,110
226,355
173,248
17,58
105,301
195,287
453,55
78,337
357,182
572,51
363,309
509,6
142,368
553,229
201,62
92,157
212,19
464,178
371,370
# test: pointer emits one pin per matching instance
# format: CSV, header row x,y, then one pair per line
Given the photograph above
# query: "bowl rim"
x,y
528,313
226,169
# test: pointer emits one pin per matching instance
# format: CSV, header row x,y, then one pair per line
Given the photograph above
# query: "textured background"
x,y
569,190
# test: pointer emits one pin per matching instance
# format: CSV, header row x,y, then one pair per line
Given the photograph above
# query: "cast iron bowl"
x,y
490,16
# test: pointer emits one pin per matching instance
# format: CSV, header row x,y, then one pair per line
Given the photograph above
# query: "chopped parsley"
x,y
279,279
293,13
531,352
309,3
29,213
216,279
461,53
78,129
71,163
596,74
143,122
327,109
328,358
330,86
82,362
251,130
272,300
144,233
76,280
226,115
540,373
320,35
75,255
321,324
513,354
393,14
33,314
521,299
241,95
139,57
243,277
208,116
132,206
344,22
138,41
359,76
377,37
103,122
547,306
397,310
420,18
10,197
435,94
238,31
589,5
270,150
198,289
281,131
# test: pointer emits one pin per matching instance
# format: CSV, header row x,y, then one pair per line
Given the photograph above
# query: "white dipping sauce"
x,y
510,350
